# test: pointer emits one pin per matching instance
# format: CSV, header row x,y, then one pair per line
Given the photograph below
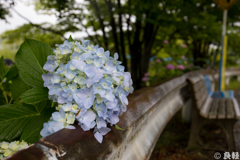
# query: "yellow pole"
x,y
224,63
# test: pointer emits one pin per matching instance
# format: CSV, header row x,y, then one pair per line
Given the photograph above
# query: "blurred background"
x,y
156,39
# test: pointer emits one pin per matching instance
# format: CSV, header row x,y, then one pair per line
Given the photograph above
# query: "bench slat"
x,y
203,98
222,109
236,108
206,107
230,110
201,92
198,86
214,109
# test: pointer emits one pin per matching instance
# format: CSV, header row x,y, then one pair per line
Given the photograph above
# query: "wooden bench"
x,y
223,112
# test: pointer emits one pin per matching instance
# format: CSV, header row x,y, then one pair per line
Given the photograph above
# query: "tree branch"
x,y
95,5
113,25
122,42
38,26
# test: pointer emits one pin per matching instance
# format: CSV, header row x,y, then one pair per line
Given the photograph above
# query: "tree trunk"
x,y
122,42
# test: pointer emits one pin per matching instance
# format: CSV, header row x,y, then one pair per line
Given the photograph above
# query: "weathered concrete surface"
x,y
149,110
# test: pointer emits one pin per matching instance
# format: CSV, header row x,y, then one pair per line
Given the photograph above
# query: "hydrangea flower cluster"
x,y
89,85
7,149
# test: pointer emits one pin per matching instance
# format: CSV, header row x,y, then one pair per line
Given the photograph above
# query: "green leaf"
x,y
18,87
30,58
34,95
12,72
31,133
2,68
2,98
25,120
70,39
13,120
115,125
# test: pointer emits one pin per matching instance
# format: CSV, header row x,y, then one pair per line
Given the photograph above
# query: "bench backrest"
x,y
212,107
199,90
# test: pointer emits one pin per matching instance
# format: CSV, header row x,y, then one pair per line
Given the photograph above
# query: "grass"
x,y
233,84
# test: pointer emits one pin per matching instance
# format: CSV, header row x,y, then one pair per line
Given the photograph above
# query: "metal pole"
x,y
221,74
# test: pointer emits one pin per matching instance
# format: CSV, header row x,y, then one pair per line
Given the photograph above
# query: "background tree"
x,y
137,28
5,5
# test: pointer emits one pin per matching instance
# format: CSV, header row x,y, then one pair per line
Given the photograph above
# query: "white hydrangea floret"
x,y
7,149
89,85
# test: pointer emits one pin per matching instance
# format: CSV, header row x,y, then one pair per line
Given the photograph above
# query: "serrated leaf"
x,y
25,120
13,120
31,133
30,58
2,68
12,72
18,87
34,95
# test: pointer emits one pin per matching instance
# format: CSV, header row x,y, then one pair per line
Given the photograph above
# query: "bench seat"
x,y
223,112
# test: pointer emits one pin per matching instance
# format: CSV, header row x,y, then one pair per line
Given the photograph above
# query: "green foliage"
x,y
70,39
17,36
23,99
12,72
18,87
30,59
34,95
2,69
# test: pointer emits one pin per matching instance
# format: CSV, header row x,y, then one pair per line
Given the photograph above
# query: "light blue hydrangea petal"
x,y
98,137
55,78
90,70
70,74
104,130
57,126
65,49
105,84
116,56
100,122
67,107
47,79
79,64
76,55
109,96
98,89
84,127
111,105
101,109
100,51
94,79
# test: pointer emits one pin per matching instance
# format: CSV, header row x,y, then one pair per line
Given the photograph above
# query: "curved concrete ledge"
x,y
149,111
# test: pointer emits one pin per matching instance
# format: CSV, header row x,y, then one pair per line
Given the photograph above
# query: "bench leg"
x,y
228,128
196,124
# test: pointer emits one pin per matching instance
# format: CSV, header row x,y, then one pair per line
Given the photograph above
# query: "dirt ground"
x,y
172,144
